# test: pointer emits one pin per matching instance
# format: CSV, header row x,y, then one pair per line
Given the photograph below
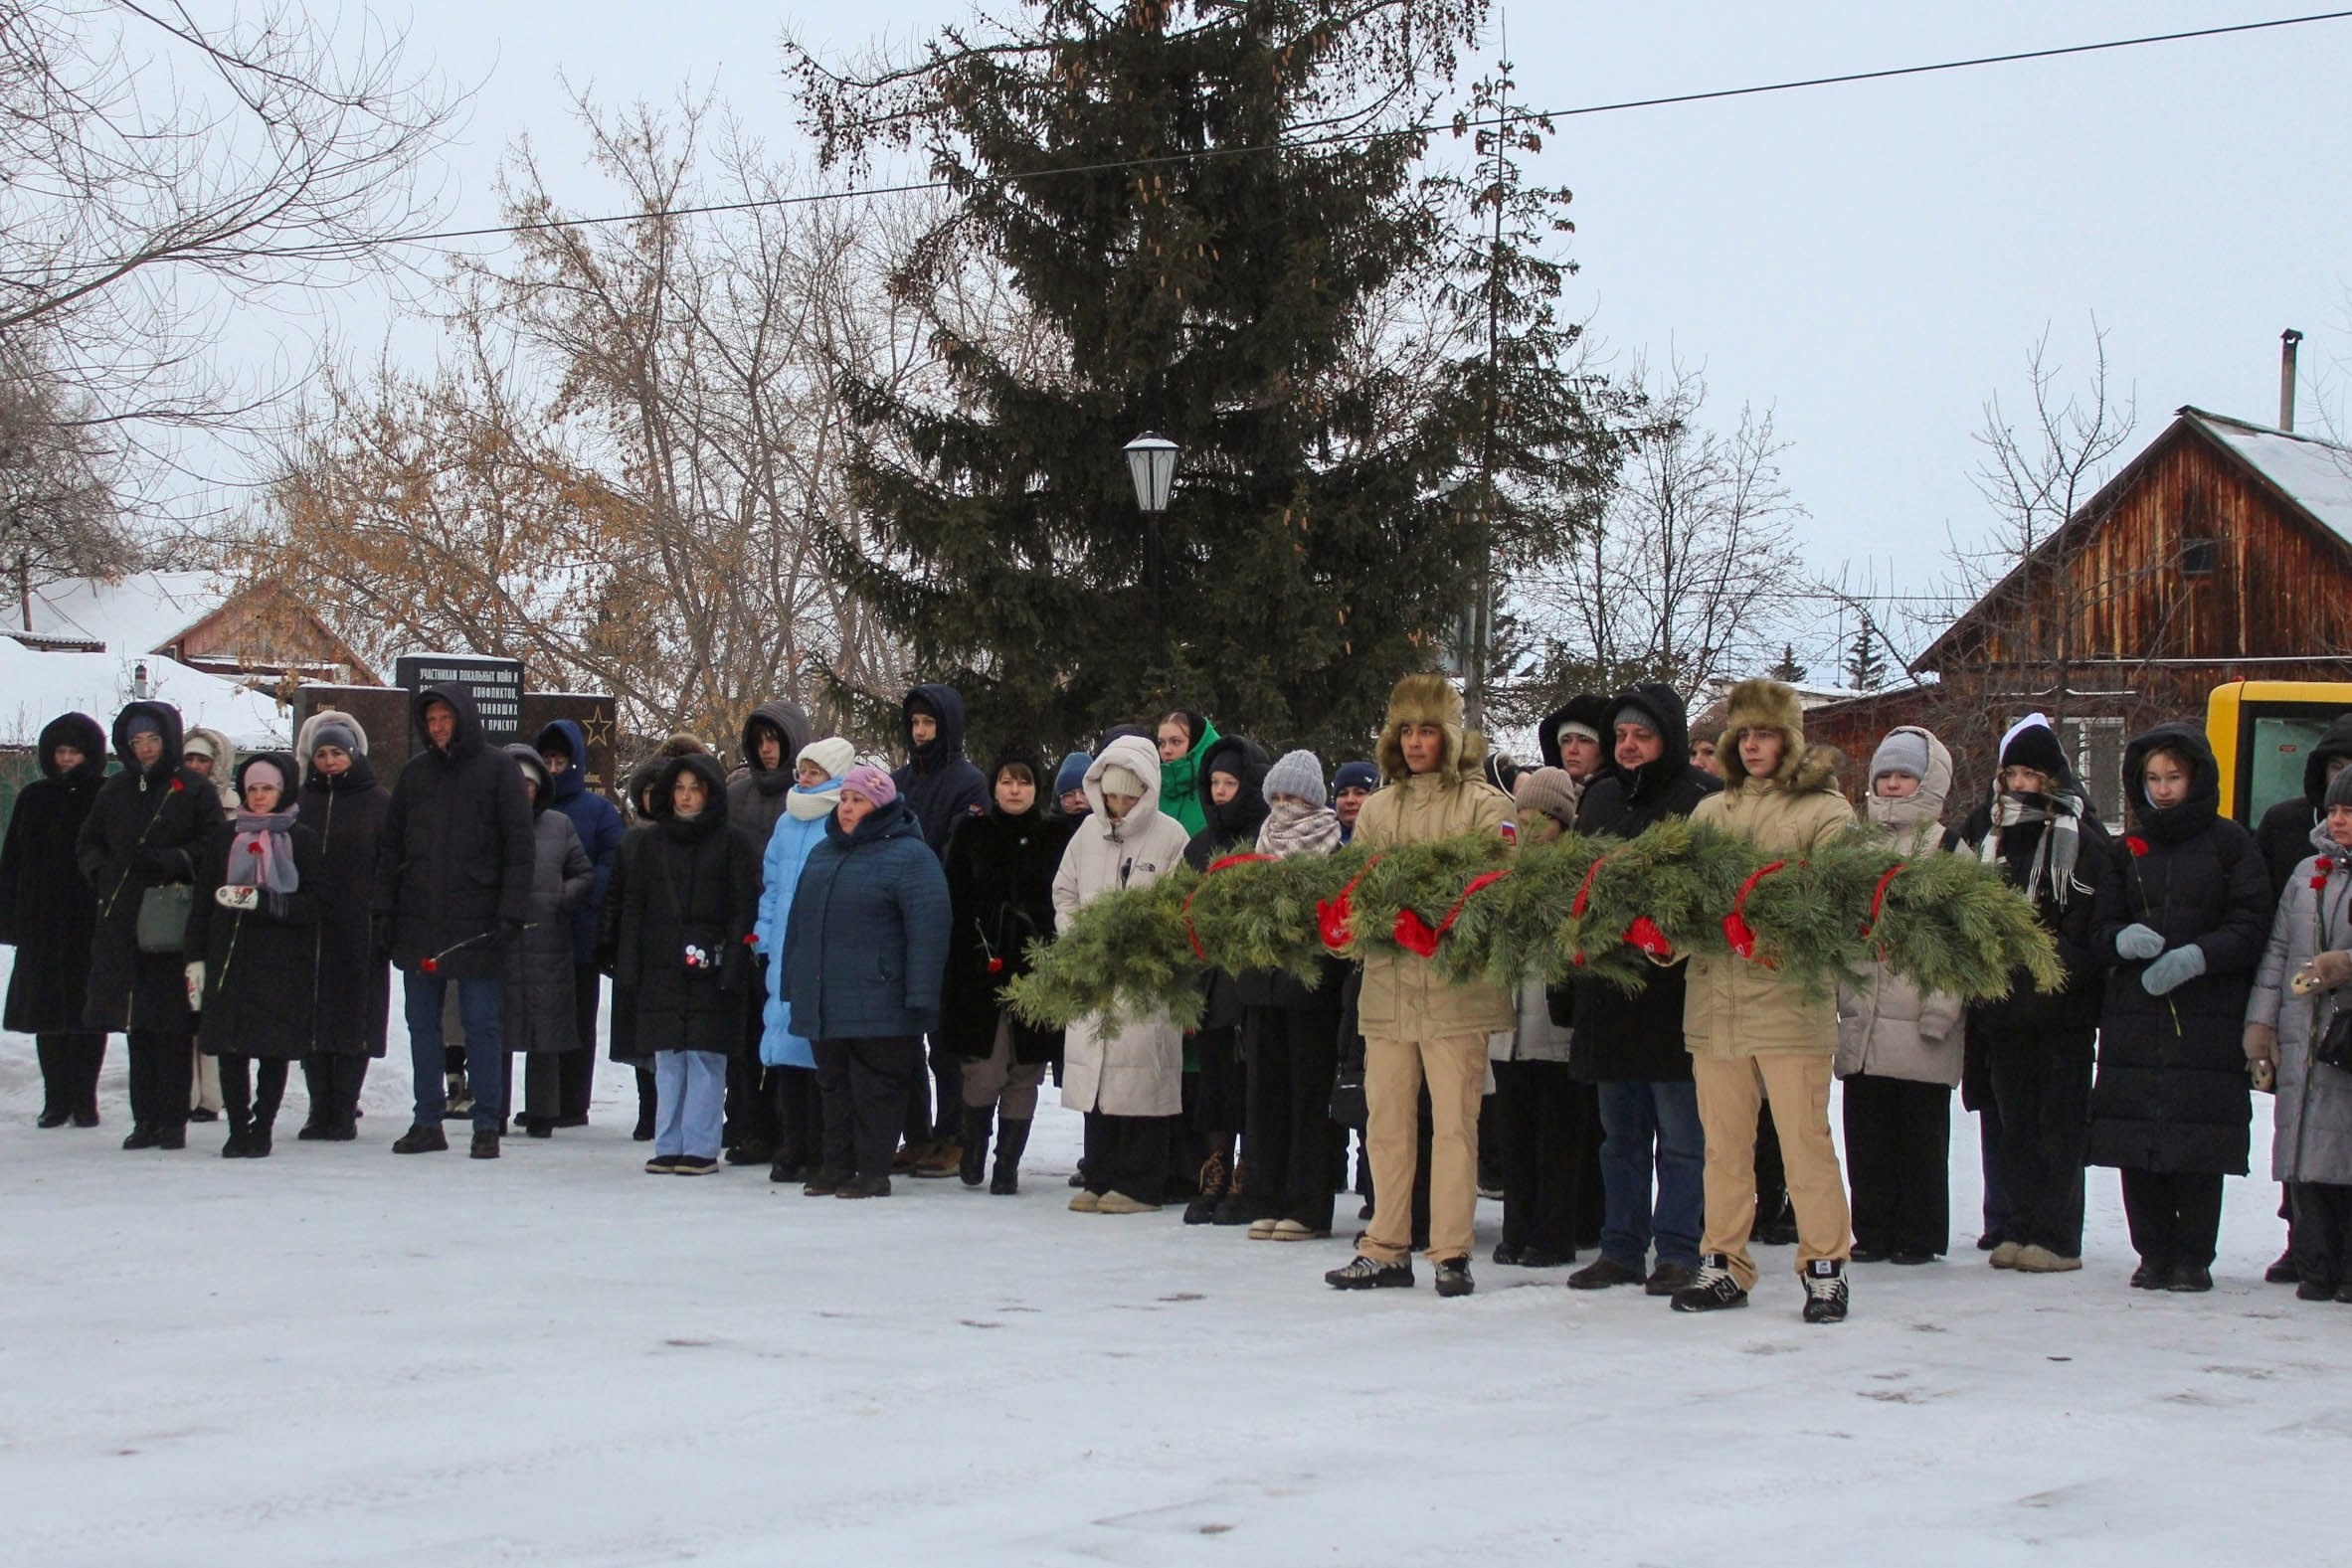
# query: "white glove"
x,y
239,899
195,975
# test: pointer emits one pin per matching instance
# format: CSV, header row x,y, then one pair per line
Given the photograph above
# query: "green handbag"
x,y
163,917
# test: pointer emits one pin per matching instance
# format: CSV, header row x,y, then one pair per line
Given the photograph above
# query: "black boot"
x,y
973,1169
256,1136
646,1104
1011,1138
56,1089
88,1060
239,1124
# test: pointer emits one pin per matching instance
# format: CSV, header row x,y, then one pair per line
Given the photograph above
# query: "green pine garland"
x,y
1945,921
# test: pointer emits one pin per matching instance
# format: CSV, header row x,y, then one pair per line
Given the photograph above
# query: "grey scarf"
x,y
1297,829
2061,816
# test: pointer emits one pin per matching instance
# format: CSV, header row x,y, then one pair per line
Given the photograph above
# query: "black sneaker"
x,y
422,1139
692,1165
1825,1290
1713,1290
1453,1277
1366,1273
662,1166
485,1145
2189,1278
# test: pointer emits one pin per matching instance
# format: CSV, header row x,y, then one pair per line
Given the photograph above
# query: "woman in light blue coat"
x,y
817,788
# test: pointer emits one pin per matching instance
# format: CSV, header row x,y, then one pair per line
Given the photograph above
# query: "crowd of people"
x,y
806,959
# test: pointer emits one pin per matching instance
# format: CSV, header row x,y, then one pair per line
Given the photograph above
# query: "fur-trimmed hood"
x,y
1428,699
1772,705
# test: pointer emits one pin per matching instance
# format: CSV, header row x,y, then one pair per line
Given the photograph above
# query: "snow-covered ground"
x,y
337,1356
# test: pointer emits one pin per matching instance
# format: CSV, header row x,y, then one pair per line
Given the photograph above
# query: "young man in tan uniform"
x,y
1416,1026
1754,1034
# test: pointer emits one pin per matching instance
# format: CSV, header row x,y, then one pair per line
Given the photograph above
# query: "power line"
x,y
917,187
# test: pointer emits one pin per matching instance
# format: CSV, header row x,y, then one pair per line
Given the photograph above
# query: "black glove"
x,y
170,864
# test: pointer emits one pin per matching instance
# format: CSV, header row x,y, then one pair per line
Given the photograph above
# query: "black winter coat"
x,y
940,786
999,872
143,831
454,870
257,962
2171,1091
2027,1015
1232,830
537,1000
678,884
1638,1037
46,909
755,794
351,984
2284,834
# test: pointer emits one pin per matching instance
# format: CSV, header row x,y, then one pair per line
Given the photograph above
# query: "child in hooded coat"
x,y
537,996
1898,1050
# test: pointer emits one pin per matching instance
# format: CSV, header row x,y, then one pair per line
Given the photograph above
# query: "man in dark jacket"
x,y
453,888
1631,1046
942,790
2285,834
773,738
563,749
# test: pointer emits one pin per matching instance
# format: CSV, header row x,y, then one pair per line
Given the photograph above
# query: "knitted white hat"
x,y
833,754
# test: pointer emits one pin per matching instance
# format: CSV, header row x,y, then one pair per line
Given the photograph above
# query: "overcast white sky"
x,y
1873,260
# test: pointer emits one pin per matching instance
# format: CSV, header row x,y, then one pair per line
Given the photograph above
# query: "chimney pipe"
x,y
2286,379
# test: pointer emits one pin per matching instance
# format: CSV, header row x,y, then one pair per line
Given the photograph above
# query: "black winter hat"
x,y
2035,746
2339,790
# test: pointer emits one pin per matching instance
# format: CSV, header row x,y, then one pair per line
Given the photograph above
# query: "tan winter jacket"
x,y
1885,1027
1732,1007
1136,1069
1403,998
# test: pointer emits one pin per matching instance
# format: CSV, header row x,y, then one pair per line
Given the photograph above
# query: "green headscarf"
x,y
1179,780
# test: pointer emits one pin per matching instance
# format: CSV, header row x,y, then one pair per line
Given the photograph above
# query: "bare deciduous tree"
x,y
1693,571
624,467
163,165
60,514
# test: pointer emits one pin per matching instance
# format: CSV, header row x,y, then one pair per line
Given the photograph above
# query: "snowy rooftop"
x,y
2315,474
137,613
35,686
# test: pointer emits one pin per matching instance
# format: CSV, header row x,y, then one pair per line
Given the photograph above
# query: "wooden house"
x,y
2222,552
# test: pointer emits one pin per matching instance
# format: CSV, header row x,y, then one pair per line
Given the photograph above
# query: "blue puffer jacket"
x,y
779,873
866,947
596,820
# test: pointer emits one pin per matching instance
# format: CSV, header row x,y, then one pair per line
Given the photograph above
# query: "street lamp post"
x,y
1151,464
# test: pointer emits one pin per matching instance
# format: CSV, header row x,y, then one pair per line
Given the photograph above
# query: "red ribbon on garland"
x,y
1332,916
1879,896
1738,933
1211,870
1415,935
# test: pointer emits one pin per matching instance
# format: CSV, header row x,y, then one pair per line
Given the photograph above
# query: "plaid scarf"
x,y
2060,819
1297,829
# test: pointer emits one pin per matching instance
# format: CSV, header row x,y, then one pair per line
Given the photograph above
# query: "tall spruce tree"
x,y
1206,218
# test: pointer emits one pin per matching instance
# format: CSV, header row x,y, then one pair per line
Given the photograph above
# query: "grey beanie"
x,y
1299,774
1549,790
2339,790
336,734
1904,751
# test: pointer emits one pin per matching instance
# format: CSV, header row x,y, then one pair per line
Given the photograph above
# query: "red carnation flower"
x,y
176,785
2137,844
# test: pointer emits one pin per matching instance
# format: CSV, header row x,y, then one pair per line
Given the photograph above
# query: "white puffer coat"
x,y
1886,1028
1135,1069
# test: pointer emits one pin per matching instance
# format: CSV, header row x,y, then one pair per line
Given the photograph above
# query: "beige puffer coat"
x,y
1886,1028
1136,1069
1733,1008
1403,997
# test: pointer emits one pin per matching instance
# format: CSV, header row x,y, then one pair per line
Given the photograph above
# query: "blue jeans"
x,y
477,1008
690,1103
1645,1125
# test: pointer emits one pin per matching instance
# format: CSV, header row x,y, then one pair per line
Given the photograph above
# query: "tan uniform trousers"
x,y
1393,1071
1730,1093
